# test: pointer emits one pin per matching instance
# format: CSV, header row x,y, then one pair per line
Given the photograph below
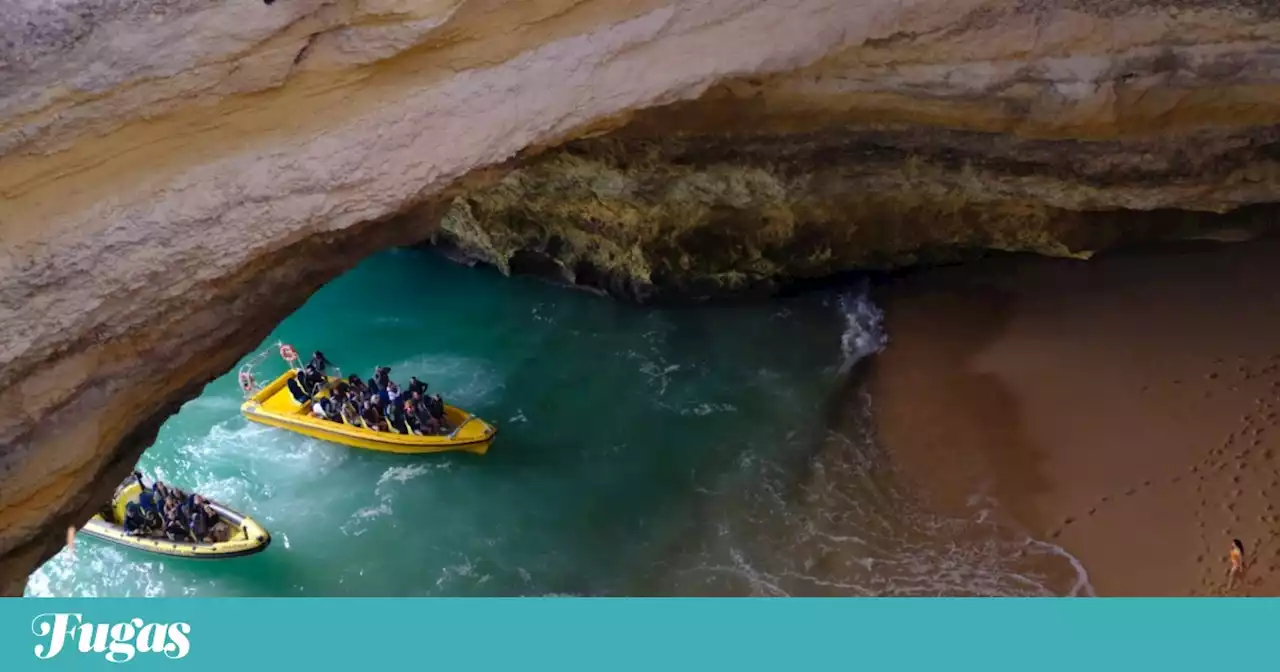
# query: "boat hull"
x,y
274,406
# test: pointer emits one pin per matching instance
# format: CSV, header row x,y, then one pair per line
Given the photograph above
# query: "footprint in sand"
x,y
1093,510
1068,520
1129,492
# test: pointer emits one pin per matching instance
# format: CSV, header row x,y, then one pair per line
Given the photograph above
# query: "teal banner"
x,y
632,634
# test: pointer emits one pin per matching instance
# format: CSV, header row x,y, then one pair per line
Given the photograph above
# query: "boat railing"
x,y
248,383
462,424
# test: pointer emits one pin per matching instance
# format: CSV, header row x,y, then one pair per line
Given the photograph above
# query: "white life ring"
x,y
246,381
288,352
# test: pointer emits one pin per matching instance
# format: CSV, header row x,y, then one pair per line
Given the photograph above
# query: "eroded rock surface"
x,y
177,175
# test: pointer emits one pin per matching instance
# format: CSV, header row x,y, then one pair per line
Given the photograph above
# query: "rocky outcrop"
x,y
705,216
176,175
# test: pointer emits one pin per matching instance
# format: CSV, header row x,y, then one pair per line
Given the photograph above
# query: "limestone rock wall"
x,y
703,216
176,175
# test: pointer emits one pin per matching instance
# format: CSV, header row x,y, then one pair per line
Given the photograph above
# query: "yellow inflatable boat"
x,y
244,536
277,406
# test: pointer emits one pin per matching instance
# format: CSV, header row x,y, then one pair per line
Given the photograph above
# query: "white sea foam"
x,y
704,408
112,572
406,473
864,327
841,525
213,403
384,490
461,380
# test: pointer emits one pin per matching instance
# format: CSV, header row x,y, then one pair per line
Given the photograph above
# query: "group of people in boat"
x,y
378,404
164,511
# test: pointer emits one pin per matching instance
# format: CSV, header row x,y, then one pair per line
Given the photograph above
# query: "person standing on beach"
x,y
1236,570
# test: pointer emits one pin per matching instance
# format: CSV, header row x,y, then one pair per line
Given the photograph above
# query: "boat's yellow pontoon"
x,y
275,405
243,536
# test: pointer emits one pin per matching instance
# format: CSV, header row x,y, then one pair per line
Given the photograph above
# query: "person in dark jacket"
x,y
174,526
319,362
198,523
147,501
416,386
435,404
299,386
155,522
372,417
316,382
135,521
395,418
427,424
384,394
412,423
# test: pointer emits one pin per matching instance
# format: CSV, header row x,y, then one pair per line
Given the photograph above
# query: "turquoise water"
x,y
642,451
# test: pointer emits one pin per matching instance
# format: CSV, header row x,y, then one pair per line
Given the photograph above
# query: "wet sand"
x,y
1126,408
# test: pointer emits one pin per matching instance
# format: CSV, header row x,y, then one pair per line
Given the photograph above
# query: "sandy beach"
x,y
1125,407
